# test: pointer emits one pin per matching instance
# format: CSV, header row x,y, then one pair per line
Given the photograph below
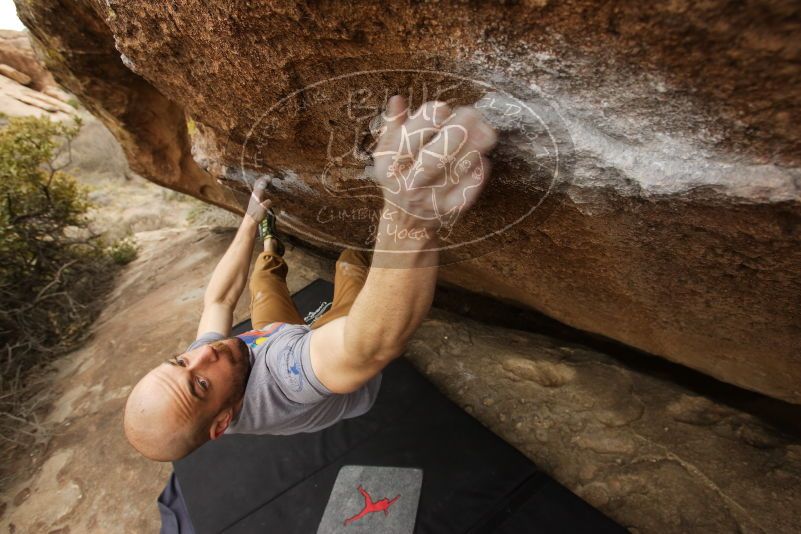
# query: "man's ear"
x,y
220,423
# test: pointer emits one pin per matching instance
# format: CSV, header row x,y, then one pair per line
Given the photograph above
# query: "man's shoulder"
x,y
205,339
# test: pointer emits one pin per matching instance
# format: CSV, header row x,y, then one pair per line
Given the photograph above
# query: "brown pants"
x,y
270,300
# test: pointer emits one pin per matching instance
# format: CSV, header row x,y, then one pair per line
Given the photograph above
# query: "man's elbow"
x,y
227,300
380,355
388,353
361,368
358,364
376,344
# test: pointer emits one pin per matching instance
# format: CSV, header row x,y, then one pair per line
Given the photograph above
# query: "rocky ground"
x,y
650,449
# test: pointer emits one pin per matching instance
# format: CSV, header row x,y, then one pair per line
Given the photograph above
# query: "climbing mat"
x,y
471,481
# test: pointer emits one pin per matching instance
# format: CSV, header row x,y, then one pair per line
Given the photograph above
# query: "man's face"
x,y
187,400
203,381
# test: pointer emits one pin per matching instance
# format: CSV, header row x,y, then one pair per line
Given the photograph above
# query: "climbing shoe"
x,y
267,230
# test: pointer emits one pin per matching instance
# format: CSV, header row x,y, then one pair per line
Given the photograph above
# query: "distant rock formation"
x,y
26,88
14,74
670,220
17,53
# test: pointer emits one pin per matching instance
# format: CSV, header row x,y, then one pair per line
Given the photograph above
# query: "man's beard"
x,y
242,364
241,367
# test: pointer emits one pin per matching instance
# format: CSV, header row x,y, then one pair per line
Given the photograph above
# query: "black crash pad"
x,y
472,480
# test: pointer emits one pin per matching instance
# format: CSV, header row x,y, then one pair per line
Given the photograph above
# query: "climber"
x,y
284,377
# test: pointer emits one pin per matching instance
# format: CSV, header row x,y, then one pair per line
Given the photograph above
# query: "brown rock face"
x,y
16,53
646,185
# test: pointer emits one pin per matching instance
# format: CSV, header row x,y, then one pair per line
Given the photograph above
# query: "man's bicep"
x,y
216,317
334,366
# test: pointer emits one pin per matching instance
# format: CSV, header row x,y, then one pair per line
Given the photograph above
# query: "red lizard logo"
x,y
370,506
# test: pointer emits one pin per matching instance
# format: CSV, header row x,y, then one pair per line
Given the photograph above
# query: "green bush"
x,y
123,251
53,272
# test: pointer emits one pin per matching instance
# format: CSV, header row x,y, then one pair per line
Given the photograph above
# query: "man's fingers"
x,y
258,205
478,180
462,142
480,139
260,186
405,134
256,200
395,114
484,137
392,118
436,157
422,126
480,135
472,176
467,169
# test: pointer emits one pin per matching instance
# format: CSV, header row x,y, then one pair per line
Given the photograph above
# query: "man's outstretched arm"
x,y
231,273
399,288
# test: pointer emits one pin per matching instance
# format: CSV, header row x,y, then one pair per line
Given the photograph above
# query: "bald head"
x,y
187,400
160,426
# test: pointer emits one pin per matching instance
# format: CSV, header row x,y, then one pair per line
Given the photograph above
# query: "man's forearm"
x,y
230,276
399,288
413,163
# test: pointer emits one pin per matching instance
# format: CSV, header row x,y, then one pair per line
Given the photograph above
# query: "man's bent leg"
x,y
351,272
270,300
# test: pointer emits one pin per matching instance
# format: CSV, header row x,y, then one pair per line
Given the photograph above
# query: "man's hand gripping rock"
x,y
259,204
431,164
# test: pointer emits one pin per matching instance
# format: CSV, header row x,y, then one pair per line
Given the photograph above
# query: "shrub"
x,y
53,272
123,251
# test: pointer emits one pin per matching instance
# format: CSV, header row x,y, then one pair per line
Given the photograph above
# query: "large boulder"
x,y
646,183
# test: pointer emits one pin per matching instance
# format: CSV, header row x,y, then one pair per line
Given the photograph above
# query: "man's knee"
x,y
270,263
265,272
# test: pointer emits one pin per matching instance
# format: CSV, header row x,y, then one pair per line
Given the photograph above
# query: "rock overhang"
x,y
674,226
